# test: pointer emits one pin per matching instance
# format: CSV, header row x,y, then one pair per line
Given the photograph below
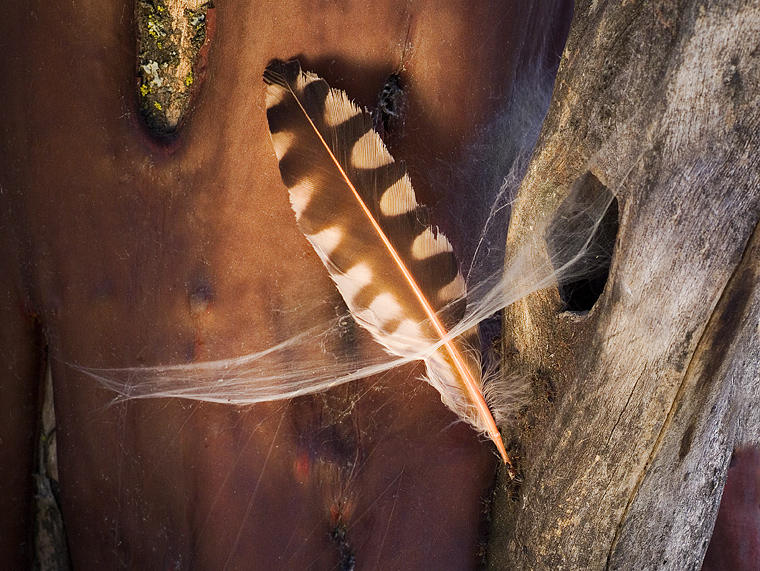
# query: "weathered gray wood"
x,y
659,382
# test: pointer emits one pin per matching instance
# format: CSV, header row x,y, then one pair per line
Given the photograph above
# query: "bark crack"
x,y
625,407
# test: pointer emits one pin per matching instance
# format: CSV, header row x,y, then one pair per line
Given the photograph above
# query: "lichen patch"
x,y
170,33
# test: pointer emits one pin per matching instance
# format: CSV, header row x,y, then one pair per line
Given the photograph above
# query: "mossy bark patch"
x,y
170,33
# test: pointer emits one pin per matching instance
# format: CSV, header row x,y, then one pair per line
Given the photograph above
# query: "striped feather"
x,y
397,274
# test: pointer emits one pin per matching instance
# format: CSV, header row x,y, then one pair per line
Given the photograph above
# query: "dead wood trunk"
x,y
658,382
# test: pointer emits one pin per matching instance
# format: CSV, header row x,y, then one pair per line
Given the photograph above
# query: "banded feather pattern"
x,y
397,274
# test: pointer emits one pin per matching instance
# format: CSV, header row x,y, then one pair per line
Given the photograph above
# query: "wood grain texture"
x,y
658,383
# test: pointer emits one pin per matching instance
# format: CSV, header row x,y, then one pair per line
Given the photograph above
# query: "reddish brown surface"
x,y
735,544
131,251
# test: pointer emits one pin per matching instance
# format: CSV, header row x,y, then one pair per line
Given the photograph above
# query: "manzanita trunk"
x,y
128,242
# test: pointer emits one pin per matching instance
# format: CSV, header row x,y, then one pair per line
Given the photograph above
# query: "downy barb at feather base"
x,y
356,206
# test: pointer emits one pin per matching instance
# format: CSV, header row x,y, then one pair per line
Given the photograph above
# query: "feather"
x,y
355,204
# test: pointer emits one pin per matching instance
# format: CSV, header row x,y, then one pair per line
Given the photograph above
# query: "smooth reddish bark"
x,y
133,250
735,543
